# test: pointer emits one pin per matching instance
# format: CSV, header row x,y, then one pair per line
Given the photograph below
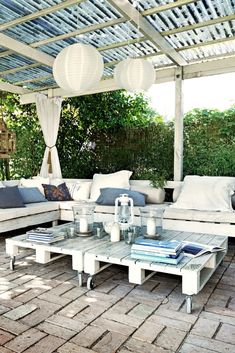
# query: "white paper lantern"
x,y
78,67
134,74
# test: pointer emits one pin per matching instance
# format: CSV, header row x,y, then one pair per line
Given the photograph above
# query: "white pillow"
x,y
206,193
153,195
79,190
56,181
34,183
114,180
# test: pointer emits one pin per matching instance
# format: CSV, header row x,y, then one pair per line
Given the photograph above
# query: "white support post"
x,y
178,138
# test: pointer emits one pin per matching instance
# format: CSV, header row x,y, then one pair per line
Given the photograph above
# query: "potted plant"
x,y
157,181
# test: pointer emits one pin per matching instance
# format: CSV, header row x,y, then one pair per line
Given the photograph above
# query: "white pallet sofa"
x,y
53,211
209,222
106,213
32,214
219,223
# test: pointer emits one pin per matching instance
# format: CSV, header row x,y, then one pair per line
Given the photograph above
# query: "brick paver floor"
x,y
43,310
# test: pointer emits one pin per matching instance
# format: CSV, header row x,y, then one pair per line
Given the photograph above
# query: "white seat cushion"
x,y
30,209
201,216
67,205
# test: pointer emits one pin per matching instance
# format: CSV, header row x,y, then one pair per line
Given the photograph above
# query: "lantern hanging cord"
x,y
137,7
138,23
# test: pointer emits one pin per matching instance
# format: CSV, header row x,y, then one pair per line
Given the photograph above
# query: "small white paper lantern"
x,y
78,67
134,74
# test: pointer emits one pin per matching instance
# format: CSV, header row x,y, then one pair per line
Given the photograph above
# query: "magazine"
x,y
40,231
41,239
154,253
197,249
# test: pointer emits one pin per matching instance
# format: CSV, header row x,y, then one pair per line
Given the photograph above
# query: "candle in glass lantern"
x,y
83,225
151,226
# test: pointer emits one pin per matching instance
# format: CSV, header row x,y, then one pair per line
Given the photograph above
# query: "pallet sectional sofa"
x,y
37,213
220,219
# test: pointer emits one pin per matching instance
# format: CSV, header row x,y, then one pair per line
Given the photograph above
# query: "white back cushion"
x,y
79,190
206,193
113,180
36,183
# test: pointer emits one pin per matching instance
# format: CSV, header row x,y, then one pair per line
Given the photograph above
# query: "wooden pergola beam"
x,y
78,32
149,31
198,25
35,79
8,87
166,7
40,13
215,67
133,41
26,50
179,125
17,69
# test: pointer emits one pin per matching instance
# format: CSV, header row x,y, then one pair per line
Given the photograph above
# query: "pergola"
x,y
183,39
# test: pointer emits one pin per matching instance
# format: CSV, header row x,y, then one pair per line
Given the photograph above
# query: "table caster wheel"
x,y
90,283
12,263
189,304
80,279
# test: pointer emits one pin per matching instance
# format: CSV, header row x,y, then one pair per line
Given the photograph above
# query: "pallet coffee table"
x,y
46,253
195,272
92,255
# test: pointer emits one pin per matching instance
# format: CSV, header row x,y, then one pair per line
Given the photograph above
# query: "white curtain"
x,y
48,110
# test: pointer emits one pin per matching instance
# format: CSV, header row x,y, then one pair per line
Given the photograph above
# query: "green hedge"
x,y
112,131
209,142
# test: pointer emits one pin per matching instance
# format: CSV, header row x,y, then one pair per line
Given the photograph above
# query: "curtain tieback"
x,y
49,159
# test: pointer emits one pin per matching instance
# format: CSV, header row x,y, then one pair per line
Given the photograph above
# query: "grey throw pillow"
x,y
32,195
10,198
108,196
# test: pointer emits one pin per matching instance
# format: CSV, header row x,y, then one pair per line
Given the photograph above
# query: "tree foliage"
x,y
22,119
107,132
112,131
209,142
97,133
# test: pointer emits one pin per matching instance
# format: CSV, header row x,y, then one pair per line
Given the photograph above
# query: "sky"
x,y
206,92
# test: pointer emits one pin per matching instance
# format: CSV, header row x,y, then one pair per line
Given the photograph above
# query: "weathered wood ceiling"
x,y
169,33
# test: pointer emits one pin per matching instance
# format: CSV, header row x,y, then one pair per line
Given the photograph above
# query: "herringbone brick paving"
x,y
43,310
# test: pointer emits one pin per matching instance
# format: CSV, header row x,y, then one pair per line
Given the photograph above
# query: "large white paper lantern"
x,y
134,75
78,67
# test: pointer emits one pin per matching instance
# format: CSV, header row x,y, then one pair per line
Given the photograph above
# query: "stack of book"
x,y
168,252
44,235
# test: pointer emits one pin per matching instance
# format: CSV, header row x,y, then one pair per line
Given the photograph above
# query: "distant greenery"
x,y
209,142
98,133
111,131
23,120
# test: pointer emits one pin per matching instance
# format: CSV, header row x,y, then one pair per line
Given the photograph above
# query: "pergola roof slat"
x,y
167,32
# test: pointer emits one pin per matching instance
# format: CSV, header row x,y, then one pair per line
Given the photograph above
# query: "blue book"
x,y
153,253
160,259
164,246
159,243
